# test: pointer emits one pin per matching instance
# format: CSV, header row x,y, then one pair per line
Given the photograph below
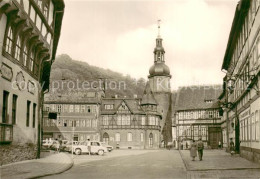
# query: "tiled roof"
x,y
72,96
197,97
148,97
132,104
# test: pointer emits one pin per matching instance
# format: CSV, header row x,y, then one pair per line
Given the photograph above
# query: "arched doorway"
x,y
151,140
105,137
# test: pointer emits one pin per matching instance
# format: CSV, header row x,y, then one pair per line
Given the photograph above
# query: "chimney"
x,y
116,96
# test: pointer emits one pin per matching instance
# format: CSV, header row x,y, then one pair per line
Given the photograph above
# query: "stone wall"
x,y
250,154
16,153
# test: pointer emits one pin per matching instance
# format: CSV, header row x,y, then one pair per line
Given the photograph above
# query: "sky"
x,y
120,35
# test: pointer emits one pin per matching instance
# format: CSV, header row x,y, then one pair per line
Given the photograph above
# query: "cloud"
x,y
121,36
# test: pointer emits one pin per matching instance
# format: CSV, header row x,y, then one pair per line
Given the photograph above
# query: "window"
x,y
195,131
94,123
257,125
151,120
32,56
210,114
5,107
83,123
125,119
119,120
46,8
117,136
129,137
88,109
143,120
65,122
59,108
142,137
28,113
253,126
71,108
32,14
25,56
241,131
88,123
14,106
203,131
34,114
246,129
109,106
18,49
83,109
9,41
105,120
77,108
77,123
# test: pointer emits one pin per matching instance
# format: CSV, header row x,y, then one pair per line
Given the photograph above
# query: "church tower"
x,y
159,80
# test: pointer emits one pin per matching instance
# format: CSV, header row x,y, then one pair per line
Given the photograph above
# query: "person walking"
x,y
57,145
232,147
200,148
219,144
193,150
89,146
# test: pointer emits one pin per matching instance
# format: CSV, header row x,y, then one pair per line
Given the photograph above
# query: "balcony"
x,y
6,133
106,127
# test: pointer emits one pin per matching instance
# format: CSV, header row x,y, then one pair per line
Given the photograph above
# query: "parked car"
x,y
109,147
47,143
54,144
67,147
96,148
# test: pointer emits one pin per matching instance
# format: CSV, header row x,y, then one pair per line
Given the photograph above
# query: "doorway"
x,y
214,137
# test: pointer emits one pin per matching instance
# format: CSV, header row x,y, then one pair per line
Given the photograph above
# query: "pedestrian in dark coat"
x,y
193,150
200,146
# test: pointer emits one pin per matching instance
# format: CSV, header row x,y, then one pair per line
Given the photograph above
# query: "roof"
x,y
132,104
197,97
72,97
241,12
159,69
148,97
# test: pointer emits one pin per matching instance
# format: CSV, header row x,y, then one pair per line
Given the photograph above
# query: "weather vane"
x,y
159,23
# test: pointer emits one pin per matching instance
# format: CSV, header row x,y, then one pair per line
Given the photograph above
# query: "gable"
x,y
123,108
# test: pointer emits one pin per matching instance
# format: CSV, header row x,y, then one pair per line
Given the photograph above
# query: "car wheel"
x,y
100,152
78,151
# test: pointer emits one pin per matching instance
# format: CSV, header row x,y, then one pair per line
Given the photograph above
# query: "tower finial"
x,y
159,24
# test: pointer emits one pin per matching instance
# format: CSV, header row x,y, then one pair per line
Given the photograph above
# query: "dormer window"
x,y
109,106
208,101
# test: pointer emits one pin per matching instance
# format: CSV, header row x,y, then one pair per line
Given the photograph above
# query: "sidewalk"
x,y
53,164
216,160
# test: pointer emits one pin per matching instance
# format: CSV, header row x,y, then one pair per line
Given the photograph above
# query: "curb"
x,y
63,166
185,163
55,173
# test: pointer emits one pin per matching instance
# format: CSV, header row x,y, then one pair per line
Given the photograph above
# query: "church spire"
x,y
159,50
159,23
